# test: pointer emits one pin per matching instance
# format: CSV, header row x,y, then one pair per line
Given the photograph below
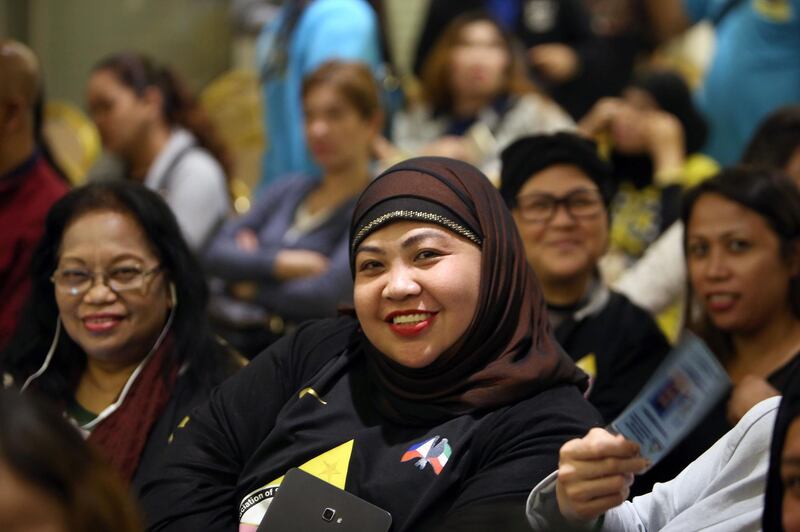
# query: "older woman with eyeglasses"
x,y
115,330
558,191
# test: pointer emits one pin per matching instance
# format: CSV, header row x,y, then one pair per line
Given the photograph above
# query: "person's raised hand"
x,y
661,127
595,474
600,116
665,142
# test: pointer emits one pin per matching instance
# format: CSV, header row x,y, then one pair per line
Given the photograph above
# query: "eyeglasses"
x,y
77,281
540,208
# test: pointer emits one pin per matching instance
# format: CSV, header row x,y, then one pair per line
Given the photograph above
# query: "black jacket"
x,y
624,340
223,466
185,397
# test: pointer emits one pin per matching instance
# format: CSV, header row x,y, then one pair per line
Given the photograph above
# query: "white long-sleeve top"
x,y
721,491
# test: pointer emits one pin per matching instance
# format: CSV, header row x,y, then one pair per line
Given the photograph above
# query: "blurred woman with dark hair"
x,y
477,98
50,479
149,120
746,320
115,330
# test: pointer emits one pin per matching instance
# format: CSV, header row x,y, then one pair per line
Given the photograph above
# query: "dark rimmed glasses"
x,y
538,207
78,281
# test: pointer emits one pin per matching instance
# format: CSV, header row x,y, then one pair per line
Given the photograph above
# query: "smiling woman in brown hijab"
x,y
508,352
442,402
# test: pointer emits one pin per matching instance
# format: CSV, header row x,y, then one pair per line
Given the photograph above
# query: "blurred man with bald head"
x,y
28,184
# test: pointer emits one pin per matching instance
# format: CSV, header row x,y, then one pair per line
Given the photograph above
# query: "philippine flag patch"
x,y
435,452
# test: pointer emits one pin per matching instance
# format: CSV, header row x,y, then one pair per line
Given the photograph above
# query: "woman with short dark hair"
x,y
558,190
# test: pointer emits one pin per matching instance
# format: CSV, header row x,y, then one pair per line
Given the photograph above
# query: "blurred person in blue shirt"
x,y
305,34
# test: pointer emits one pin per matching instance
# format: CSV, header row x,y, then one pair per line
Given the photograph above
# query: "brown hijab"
x,y
508,352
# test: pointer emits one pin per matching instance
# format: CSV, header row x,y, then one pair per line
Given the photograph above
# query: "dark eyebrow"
x,y
74,259
417,238
407,243
580,188
791,461
736,233
733,233
118,258
366,248
127,256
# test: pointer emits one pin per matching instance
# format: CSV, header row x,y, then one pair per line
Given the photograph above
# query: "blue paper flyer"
x,y
675,399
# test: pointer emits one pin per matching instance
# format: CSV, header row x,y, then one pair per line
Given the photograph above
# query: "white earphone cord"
x,y
54,344
125,389
47,358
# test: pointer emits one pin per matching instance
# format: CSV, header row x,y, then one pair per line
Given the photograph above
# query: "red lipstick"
x,y
98,323
412,327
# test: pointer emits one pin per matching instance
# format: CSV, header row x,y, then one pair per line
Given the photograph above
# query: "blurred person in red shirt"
x,y
28,184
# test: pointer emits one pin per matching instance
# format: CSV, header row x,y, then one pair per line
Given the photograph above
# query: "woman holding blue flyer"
x,y
438,401
722,490
743,254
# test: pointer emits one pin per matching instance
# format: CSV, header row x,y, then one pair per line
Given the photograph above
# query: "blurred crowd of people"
x,y
491,254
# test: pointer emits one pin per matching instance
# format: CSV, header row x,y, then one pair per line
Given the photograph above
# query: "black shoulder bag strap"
x,y
168,175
